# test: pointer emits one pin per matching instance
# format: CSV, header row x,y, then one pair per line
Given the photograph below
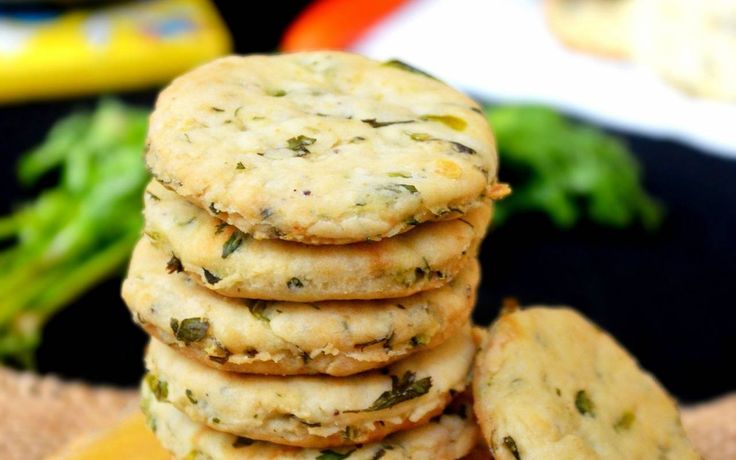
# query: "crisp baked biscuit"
x,y
320,147
337,337
594,26
239,266
447,437
315,411
690,43
550,385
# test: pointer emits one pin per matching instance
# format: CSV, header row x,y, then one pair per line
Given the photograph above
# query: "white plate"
x,y
502,51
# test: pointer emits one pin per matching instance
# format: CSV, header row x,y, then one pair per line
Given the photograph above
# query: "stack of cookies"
x,y
308,268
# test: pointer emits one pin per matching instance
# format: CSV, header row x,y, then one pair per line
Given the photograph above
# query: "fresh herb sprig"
x,y
567,171
77,232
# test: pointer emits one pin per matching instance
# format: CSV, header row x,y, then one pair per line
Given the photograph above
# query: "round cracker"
x,y
320,147
231,263
337,338
551,385
448,437
315,411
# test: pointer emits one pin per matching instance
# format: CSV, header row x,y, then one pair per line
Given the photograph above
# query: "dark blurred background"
x,y
667,296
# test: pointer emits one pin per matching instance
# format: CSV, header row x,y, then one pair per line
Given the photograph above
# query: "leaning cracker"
x,y
320,147
451,436
337,337
227,261
314,411
551,385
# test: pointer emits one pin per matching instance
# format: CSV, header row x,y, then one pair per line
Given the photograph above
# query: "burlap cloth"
x,y
39,415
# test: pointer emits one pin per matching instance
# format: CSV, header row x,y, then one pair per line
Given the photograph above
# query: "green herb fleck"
x,y
153,196
584,404
462,148
405,175
174,265
402,389
258,309
190,329
220,227
419,340
241,441
451,121
332,455
212,279
624,422
159,388
232,243
381,124
379,454
240,165
294,283
217,109
510,444
404,66
299,144
276,92
215,420
386,341
190,396
420,137
399,188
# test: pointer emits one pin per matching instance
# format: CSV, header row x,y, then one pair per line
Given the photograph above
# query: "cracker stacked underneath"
x,y
308,268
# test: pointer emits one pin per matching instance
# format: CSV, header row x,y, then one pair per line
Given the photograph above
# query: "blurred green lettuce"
x,y
567,171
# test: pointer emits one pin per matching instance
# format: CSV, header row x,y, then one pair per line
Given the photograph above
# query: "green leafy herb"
x,y
300,143
215,420
159,388
624,422
240,165
190,396
211,278
190,329
402,389
79,229
241,441
584,404
217,109
567,171
174,265
510,444
451,121
276,92
332,455
294,283
381,124
233,243
404,175
258,309
404,66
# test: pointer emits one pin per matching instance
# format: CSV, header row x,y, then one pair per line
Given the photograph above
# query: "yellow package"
x,y
120,47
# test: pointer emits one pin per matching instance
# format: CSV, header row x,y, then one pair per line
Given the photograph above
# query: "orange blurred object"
x,y
335,24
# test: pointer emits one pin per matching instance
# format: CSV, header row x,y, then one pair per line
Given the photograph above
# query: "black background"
x,y
668,297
